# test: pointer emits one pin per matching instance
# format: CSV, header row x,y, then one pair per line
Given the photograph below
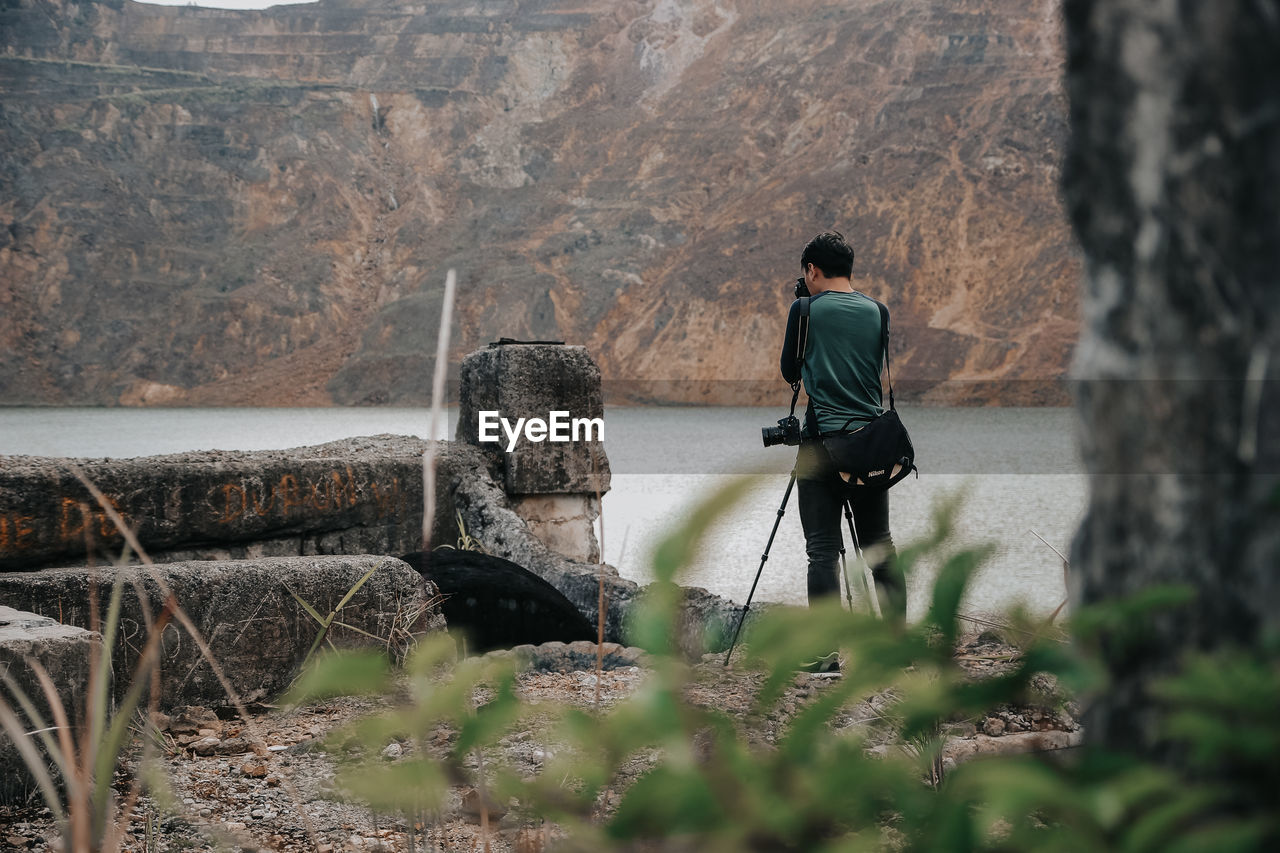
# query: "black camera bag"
x,y
874,457
879,454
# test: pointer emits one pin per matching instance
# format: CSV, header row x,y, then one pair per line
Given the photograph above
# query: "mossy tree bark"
x,y
1173,185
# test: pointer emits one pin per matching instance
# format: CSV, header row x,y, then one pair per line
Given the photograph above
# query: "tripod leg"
x,y
782,508
868,584
844,570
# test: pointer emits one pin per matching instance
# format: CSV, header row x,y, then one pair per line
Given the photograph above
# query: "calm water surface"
x,y
1017,471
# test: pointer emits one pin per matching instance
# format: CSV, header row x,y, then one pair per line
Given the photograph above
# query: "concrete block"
x,y
355,496
244,609
531,381
64,651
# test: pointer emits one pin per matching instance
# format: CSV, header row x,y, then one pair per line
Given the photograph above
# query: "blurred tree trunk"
x,y
1172,181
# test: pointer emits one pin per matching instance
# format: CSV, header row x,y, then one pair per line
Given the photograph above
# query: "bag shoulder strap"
x,y
884,342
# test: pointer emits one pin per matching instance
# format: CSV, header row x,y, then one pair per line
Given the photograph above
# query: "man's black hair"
x,y
831,253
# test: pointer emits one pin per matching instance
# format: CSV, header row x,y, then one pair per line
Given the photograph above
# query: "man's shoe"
x,y
824,663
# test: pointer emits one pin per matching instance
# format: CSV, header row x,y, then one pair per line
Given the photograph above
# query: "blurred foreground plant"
x,y
713,785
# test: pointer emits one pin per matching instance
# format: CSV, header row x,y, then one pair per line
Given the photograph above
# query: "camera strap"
x,y
884,338
802,342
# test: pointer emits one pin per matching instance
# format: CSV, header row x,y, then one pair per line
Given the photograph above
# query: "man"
x,y
843,357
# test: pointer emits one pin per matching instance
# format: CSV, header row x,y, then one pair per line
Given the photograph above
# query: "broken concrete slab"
x,y
63,650
246,612
706,621
176,505
355,496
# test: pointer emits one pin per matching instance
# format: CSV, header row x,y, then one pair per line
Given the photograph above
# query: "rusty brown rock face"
x,y
205,207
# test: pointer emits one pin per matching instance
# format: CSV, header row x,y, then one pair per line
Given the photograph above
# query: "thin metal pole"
x,y
844,569
868,586
786,496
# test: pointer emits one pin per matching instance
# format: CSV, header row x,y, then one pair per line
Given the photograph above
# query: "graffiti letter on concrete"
x,y
288,491
16,532
232,503
257,505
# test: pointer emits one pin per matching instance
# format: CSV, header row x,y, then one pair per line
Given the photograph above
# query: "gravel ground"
x,y
239,792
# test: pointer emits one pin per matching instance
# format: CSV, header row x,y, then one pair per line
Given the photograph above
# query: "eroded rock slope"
x,y
212,207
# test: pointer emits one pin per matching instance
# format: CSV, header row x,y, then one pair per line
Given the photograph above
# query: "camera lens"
x,y
772,435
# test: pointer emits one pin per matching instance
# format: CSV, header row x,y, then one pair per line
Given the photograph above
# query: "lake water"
x,y
1017,470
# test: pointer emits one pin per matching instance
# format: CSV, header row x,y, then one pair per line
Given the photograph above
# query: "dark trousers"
x,y
822,494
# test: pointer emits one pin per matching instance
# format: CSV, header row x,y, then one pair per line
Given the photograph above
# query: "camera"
x,y
801,289
786,432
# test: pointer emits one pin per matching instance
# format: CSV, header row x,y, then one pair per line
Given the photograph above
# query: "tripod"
x,y
782,509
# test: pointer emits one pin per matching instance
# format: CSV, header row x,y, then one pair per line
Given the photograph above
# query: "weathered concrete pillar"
x,y
554,485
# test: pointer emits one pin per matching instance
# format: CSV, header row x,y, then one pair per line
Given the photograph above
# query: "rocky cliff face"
x,y
211,207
